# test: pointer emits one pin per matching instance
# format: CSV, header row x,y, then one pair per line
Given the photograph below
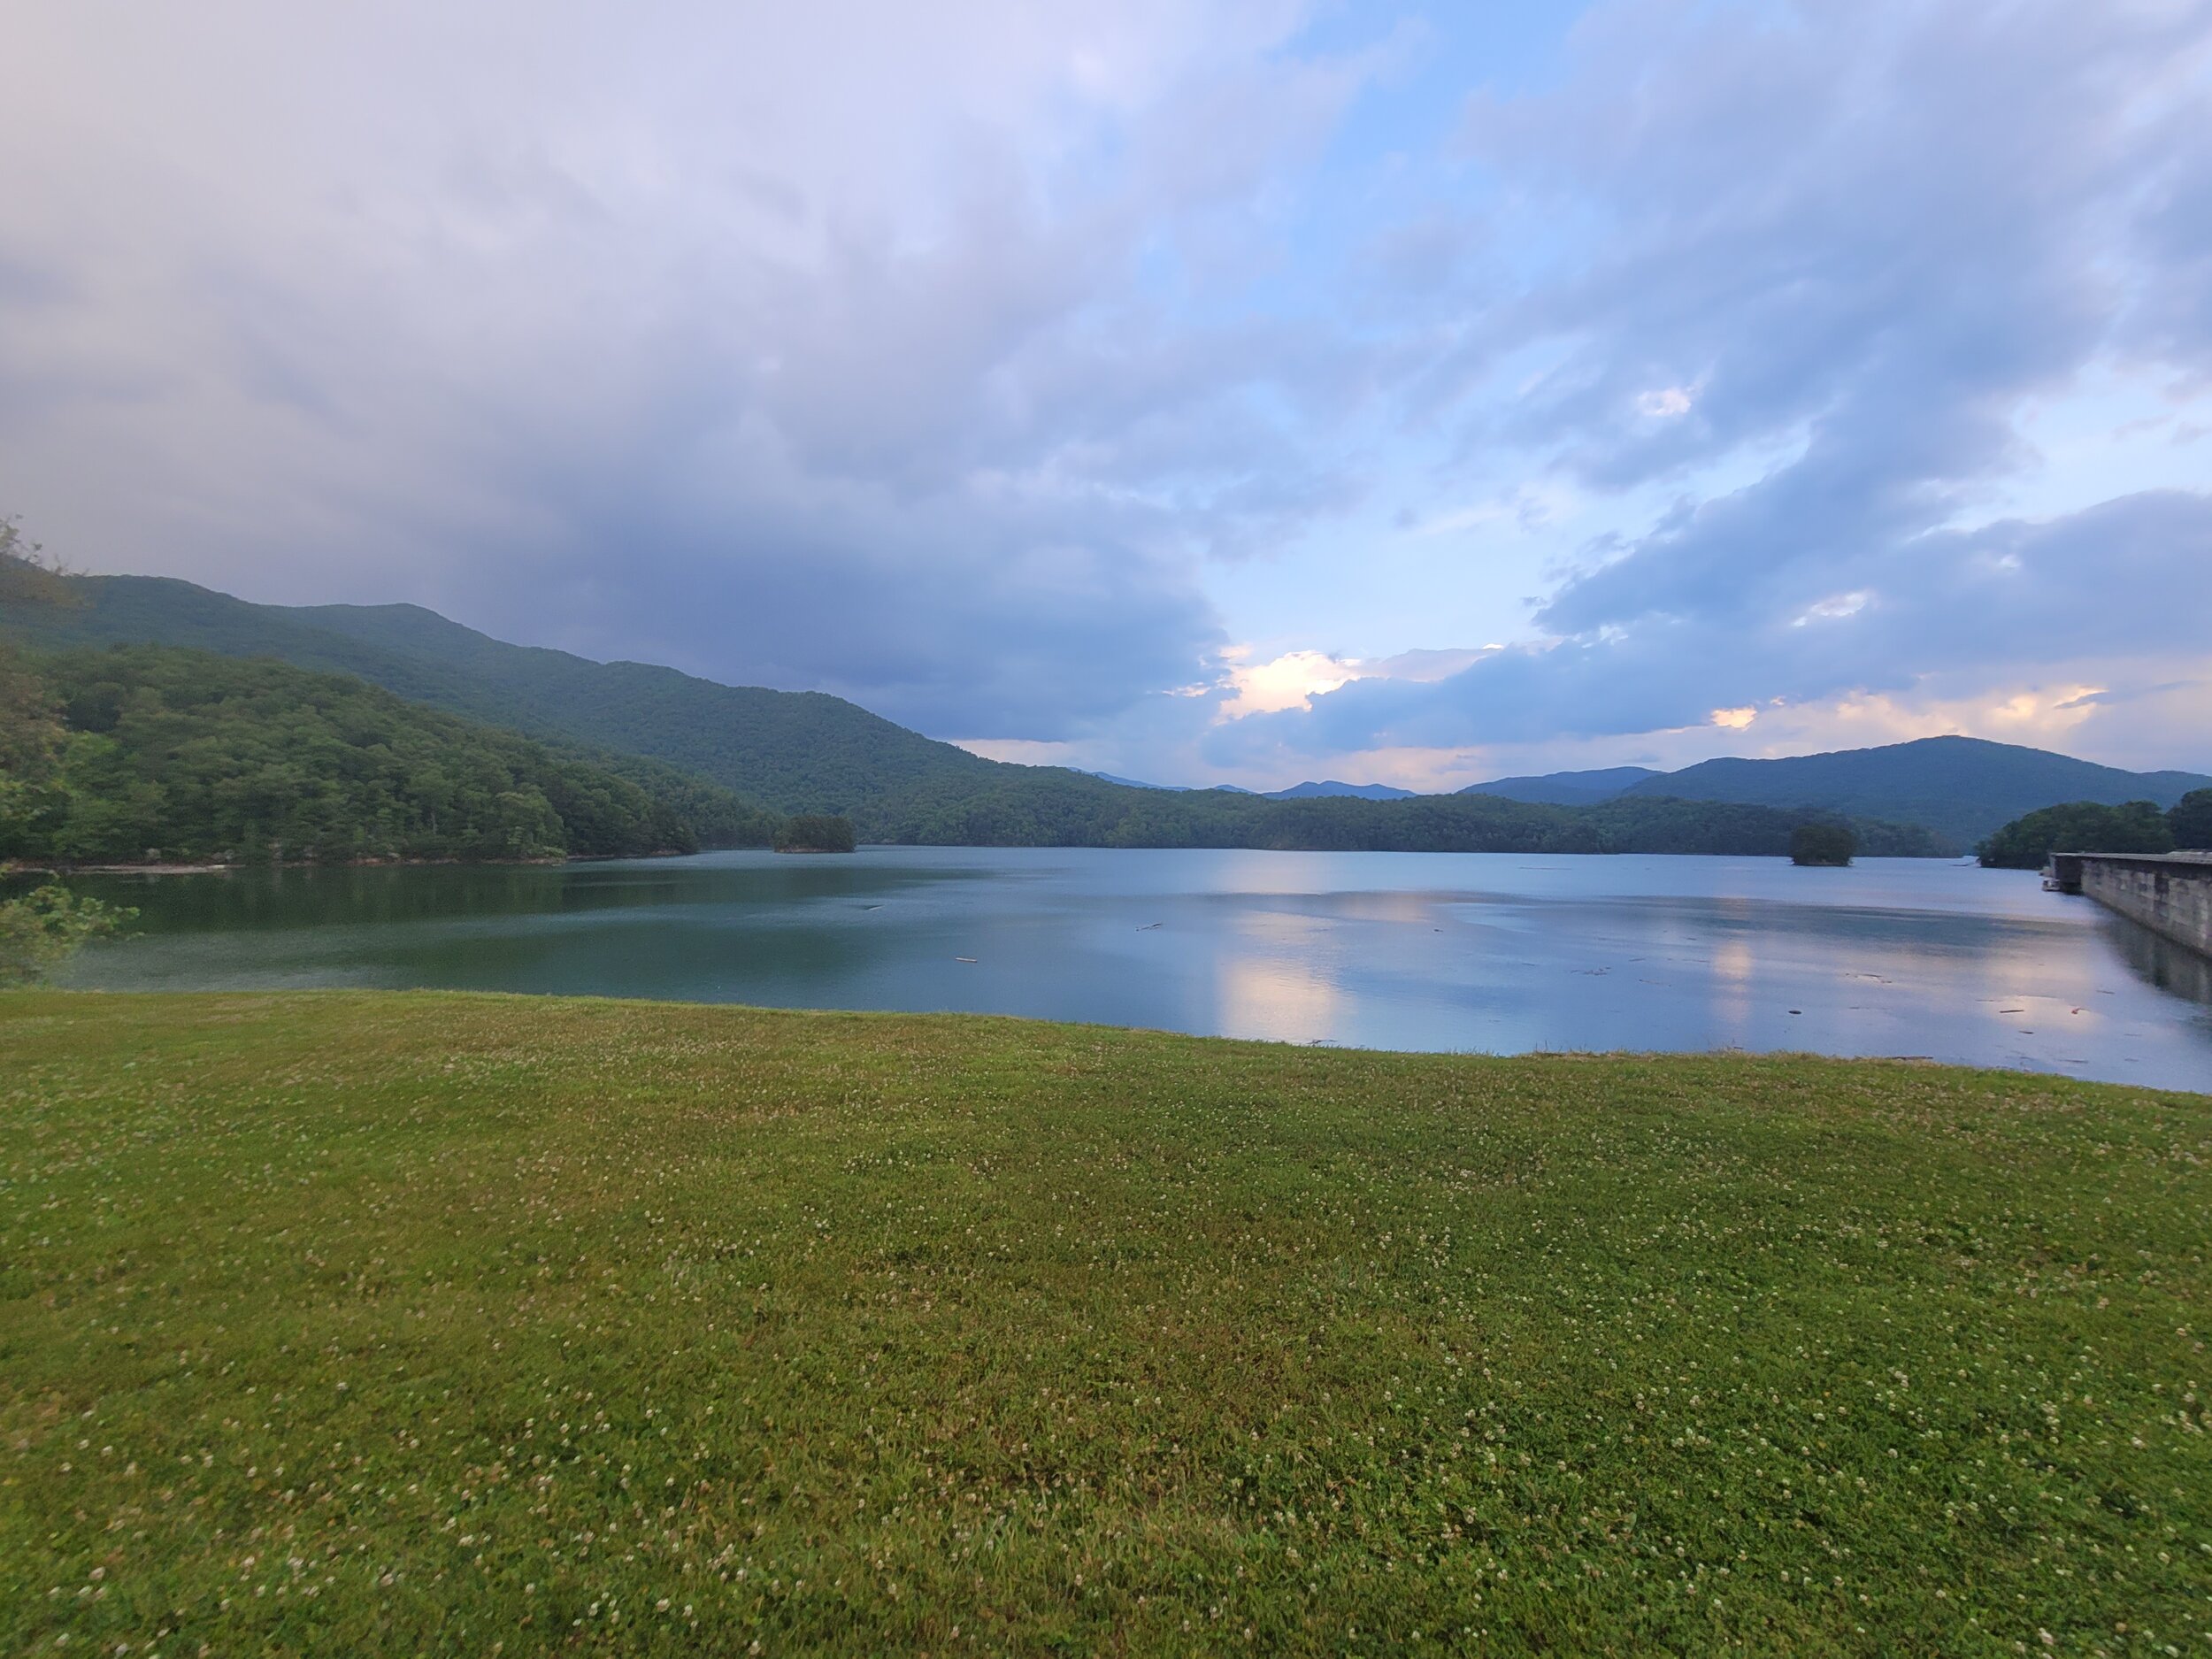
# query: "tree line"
x,y
2089,826
1043,807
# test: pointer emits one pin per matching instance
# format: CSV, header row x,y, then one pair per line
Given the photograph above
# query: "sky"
x,y
1195,391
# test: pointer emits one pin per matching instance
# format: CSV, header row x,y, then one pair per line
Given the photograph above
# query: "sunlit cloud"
x,y
1288,681
1832,609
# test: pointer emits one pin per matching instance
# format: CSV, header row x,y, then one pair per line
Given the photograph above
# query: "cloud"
x,y
1843,250
2132,577
848,346
998,365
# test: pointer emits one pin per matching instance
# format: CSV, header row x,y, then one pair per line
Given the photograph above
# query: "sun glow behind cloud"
x,y
1291,680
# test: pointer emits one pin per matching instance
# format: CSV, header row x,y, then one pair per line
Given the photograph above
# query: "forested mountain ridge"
x,y
808,752
132,753
1330,788
794,751
1066,809
1567,788
140,752
1962,788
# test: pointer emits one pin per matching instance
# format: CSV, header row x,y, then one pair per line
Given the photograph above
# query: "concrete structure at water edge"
x,y
2169,892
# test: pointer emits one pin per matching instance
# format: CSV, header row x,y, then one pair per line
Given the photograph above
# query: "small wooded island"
x,y
1830,845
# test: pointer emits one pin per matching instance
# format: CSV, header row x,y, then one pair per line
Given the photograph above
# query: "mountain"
x,y
1167,788
1133,783
808,752
1566,789
1963,788
794,751
1332,789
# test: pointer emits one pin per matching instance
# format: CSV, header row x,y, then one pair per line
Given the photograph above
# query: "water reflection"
x,y
1278,985
1413,951
2165,965
1734,971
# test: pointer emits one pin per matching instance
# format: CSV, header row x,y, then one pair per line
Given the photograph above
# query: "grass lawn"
x,y
432,1323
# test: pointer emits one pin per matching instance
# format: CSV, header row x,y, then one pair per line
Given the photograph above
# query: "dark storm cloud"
x,y
861,349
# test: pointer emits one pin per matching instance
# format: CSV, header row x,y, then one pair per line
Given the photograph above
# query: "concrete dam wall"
x,y
2169,892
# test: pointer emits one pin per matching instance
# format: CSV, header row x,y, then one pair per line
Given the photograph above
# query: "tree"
x,y
2189,820
1829,844
39,931
28,575
32,737
2078,826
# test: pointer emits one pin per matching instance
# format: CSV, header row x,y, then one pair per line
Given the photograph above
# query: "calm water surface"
x,y
1496,952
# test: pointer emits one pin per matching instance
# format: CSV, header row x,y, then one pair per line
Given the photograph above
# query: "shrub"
x,y
39,931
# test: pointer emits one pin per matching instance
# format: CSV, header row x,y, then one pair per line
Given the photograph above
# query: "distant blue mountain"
x,y
1963,787
1167,788
1296,792
1363,791
1567,788
1960,788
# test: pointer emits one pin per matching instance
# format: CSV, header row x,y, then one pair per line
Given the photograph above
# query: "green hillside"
x,y
136,751
793,751
1963,787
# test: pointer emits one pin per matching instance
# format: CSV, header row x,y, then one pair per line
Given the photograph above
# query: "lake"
x,y
1501,953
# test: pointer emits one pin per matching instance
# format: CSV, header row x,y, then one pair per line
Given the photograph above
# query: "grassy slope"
x,y
412,1324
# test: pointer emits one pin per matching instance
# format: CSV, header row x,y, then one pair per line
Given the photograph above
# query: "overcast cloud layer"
x,y
1254,391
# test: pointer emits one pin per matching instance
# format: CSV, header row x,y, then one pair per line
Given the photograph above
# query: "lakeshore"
x,y
388,1323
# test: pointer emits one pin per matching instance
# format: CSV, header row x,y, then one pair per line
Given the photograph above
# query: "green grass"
x,y
427,1324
